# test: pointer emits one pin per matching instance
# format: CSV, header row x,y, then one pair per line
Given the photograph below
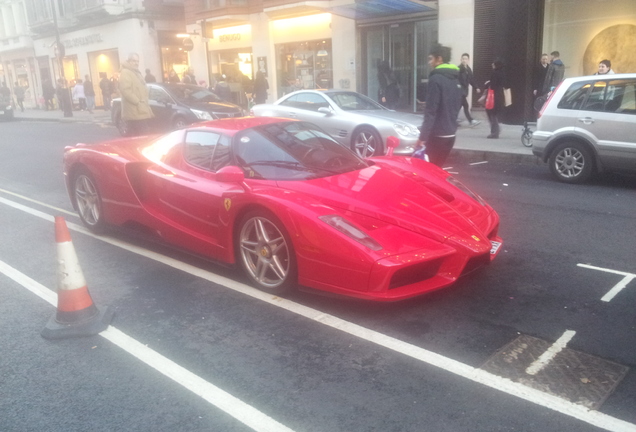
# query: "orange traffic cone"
x,y
76,313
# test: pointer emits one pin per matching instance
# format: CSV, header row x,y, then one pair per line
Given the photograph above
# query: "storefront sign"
x,y
83,40
230,37
188,45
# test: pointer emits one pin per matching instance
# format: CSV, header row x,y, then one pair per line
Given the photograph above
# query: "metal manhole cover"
x,y
578,377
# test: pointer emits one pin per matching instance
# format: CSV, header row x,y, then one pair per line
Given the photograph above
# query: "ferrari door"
x,y
191,199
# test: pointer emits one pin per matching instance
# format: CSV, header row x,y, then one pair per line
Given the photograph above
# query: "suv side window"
x,y
621,97
575,95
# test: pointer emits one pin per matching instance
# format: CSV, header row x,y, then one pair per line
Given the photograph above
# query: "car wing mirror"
x,y
230,174
391,142
325,110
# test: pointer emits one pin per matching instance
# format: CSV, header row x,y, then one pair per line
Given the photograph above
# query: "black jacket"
x,y
497,83
553,76
466,78
443,101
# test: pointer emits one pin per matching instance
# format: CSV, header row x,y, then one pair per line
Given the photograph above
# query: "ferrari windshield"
x,y
292,151
349,101
191,93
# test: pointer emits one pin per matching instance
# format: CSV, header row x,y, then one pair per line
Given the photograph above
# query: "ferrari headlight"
x,y
344,226
201,115
406,129
459,185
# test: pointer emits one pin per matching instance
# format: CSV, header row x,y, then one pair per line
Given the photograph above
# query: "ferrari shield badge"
x,y
227,204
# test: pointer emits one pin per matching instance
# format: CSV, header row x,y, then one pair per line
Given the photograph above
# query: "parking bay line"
x,y
547,356
231,405
616,288
488,379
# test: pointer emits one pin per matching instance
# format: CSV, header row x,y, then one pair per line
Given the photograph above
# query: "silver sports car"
x,y
353,119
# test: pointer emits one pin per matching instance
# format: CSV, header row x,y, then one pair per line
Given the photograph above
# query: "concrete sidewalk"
x,y
471,143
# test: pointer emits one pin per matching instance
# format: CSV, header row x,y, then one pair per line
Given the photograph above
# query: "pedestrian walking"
x,y
105,87
605,68
466,79
149,78
443,102
48,93
135,109
19,92
260,88
78,94
496,83
89,92
554,74
5,93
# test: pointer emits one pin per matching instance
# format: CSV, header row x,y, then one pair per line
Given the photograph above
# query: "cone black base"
x,y
93,326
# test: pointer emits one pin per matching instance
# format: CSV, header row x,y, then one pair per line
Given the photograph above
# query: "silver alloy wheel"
x,y
265,253
569,162
366,143
88,201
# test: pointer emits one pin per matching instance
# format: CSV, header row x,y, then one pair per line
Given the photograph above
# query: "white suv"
x,y
588,125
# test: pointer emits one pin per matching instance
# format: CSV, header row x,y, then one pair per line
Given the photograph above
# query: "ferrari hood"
x,y
399,198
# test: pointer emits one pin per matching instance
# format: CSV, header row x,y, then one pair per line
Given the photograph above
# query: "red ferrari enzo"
x,y
290,205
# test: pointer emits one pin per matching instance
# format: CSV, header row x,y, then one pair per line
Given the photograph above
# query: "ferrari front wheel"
x,y
266,253
89,201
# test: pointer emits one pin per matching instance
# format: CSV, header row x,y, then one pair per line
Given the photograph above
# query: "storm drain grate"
x,y
580,378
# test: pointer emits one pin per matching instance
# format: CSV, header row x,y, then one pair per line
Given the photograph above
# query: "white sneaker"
x,y
474,123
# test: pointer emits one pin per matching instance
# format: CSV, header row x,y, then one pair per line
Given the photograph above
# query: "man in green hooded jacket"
x,y
443,102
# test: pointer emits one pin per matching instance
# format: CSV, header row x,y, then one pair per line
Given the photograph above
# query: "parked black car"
x,y
178,105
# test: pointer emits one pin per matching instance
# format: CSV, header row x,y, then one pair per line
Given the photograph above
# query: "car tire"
x,y
122,125
571,162
88,200
265,252
179,123
366,142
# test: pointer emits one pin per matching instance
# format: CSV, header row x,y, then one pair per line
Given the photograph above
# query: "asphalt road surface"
x,y
192,348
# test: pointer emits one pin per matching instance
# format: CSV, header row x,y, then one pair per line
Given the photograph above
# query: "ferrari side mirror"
x,y
391,142
230,174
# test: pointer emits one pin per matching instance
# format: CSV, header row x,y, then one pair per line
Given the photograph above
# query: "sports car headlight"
x,y
459,185
201,115
406,129
342,225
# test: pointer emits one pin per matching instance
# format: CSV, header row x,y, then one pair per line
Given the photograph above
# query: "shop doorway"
x,y
404,46
102,64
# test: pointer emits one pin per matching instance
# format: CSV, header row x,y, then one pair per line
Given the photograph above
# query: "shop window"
x,y
304,65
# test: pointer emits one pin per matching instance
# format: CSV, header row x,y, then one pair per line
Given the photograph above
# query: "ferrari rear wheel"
x,y
266,253
366,142
89,201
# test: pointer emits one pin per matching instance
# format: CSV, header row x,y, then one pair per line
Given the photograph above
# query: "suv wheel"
x,y
571,162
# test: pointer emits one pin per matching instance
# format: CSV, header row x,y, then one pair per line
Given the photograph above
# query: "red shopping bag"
x,y
490,99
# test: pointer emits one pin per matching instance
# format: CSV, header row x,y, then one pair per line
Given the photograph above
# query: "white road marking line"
x,y
233,406
474,374
478,163
38,202
550,353
616,288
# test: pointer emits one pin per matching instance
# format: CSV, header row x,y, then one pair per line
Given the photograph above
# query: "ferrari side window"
x,y
200,147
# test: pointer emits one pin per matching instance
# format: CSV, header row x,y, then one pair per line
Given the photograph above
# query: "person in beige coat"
x,y
135,109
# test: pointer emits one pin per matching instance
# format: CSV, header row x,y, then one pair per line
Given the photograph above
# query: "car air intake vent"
x,y
475,263
343,134
415,273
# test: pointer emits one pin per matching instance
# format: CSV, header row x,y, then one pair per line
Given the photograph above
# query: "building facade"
x,y
94,36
